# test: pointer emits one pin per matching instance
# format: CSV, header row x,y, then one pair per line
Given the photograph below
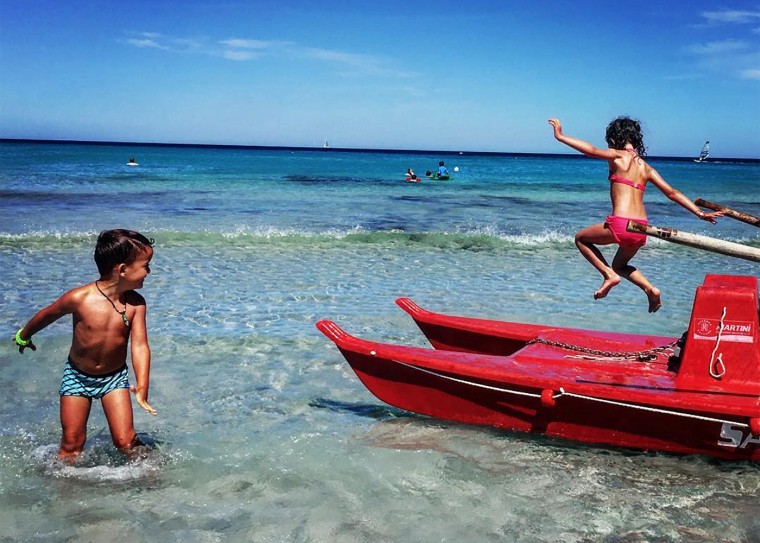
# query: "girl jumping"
x,y
628,176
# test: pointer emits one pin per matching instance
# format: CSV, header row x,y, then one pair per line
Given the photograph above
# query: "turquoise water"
x,y
263,432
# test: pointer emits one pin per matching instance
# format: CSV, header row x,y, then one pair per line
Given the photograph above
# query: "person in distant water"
x,y
428,173
132,161
411,177
108,314
442,171
628,176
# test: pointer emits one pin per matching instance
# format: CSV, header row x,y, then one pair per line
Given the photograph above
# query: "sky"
x,y
464,75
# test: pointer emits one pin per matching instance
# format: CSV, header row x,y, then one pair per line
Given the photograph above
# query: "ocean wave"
x,y
475,239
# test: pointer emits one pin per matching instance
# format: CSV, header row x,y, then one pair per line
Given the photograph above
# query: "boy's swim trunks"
x,y
624,238
78,383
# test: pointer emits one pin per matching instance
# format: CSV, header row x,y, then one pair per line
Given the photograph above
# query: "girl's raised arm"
x,y
583,146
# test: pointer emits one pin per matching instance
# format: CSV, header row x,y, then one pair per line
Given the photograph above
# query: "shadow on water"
x,y
321,179
372,411
399,429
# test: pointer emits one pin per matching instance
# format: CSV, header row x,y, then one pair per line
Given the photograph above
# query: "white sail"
x,y
705,152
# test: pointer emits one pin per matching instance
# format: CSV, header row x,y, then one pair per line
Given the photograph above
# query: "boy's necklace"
x,y
122,313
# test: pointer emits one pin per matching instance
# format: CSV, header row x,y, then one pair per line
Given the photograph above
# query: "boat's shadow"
x,y
372,411
402,430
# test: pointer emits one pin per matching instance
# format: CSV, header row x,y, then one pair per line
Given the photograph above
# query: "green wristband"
x,y
22,342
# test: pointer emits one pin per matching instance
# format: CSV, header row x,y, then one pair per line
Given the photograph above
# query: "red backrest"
x,y
723,336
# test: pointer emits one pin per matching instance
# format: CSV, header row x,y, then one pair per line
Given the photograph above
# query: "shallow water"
x,y
263,432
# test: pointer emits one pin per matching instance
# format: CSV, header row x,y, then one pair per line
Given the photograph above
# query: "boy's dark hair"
x,y
626,130
117,246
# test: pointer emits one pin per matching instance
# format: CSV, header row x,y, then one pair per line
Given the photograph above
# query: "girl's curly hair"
x,y
626,130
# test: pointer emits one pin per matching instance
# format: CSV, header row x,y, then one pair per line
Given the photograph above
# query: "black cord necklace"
x,y
122,313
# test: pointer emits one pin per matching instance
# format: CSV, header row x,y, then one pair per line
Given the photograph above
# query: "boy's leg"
x,y
75,410
586,241
117,406
621,266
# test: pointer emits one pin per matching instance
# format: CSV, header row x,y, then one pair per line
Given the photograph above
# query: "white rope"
x,y
562,392
651,409
717,367
478,385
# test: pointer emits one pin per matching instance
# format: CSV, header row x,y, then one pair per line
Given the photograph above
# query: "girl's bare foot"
x,y
654,299
606,287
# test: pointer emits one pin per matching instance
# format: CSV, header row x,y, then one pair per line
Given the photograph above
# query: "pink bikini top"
x,y
623,181
614,178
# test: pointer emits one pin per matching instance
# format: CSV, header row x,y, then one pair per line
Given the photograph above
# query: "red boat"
x,y
698,394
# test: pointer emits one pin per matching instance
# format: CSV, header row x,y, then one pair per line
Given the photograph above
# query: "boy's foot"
x,y
654,300
606,287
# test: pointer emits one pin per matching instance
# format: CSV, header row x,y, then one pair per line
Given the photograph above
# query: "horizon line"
x,y
342,149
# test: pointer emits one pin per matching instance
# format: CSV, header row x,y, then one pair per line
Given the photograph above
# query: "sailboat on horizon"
x,y
704,153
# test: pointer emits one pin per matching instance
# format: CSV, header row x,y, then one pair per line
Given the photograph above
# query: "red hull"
x,y
507,382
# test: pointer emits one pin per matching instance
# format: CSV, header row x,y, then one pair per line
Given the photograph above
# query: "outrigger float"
x,y
698,394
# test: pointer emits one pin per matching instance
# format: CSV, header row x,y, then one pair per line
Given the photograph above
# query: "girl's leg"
x,y
621,266
117,406
586,241
75,410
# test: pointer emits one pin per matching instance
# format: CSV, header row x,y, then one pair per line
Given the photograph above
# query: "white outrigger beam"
x,y
700,242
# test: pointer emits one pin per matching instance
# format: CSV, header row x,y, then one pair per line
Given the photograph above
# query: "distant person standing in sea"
x,y
628,176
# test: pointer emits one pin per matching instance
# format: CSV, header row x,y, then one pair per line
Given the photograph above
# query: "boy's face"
x,y
136,272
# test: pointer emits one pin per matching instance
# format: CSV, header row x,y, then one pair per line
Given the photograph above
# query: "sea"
x,y
263,432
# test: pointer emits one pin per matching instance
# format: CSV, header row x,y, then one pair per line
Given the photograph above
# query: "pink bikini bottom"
x,y
624,238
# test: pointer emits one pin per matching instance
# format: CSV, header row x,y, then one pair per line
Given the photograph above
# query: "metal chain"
x,y
641,356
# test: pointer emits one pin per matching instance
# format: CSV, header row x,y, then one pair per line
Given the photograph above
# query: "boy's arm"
x,y
679,198
141,358
43,318
579,145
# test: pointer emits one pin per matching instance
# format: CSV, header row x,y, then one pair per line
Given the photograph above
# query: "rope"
x,y
717,367
563,392
462,381
650,409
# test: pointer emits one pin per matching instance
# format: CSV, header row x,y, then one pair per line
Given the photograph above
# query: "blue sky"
x,y
474,75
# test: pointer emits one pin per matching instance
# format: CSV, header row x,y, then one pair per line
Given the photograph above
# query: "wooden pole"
x,y
739,215
700,242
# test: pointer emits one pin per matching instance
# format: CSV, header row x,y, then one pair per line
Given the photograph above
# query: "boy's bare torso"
x,y
100,337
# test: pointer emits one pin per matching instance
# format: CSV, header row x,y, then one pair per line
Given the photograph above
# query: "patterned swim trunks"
x,y
78,383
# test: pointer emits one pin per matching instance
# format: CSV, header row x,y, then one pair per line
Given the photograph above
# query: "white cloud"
x,y
731,16
752,73
236,43
165,43
239,55
245,49
719,47
358,63
144,42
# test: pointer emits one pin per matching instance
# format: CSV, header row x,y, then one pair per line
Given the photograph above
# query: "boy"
x,y
106,315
